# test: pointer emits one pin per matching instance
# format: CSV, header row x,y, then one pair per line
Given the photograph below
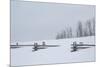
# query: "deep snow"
x,y
51,55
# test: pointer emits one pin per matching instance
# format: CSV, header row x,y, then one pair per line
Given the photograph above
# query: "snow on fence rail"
x,y
35,46
76,46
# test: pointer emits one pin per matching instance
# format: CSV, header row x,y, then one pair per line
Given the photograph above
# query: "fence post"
x,y
74,46
17,44
35,46
43,43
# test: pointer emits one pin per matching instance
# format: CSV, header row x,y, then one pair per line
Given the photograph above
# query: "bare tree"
x,y
69,32
63,34
58,36
85,33
89,27
87,30
93,29
79,29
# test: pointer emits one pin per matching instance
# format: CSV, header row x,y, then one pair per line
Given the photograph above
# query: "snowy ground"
x,y
51,55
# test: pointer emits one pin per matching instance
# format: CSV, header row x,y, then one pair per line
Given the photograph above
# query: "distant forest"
x,y
82,29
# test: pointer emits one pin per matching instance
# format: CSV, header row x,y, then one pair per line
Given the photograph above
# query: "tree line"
x,y
82,29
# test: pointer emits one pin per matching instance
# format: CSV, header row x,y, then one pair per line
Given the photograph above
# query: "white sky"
x,y
40,21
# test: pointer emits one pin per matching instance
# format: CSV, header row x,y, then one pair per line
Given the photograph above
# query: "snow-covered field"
x,y
52,55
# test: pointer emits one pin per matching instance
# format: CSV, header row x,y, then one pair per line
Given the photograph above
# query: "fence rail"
x,y
76,46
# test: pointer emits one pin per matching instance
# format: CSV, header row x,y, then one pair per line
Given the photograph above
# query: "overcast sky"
x,y
41,21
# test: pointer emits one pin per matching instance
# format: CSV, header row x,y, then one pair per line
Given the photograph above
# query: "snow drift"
x,y
53,55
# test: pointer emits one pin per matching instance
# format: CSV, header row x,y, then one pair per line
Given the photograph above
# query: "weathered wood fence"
x,y
76,46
